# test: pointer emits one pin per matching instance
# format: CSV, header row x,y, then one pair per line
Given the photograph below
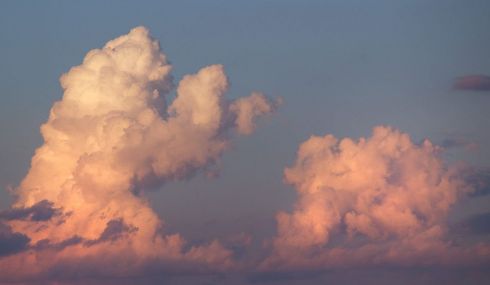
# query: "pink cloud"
x,y
372,201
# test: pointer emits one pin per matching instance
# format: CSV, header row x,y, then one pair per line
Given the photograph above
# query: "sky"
x,y
240,173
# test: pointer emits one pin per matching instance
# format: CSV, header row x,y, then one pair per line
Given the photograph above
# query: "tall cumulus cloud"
x,y
112,135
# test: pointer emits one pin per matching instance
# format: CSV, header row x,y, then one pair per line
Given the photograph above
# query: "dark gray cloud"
x,y
281,276
41,211
472,82
11,242
451,143
376,276
479,179
47,244
478,224
114,230
458,142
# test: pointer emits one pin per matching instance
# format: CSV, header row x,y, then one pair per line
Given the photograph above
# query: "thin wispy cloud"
x,y
472,82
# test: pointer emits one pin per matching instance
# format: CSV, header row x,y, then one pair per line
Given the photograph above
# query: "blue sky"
x,y
342,67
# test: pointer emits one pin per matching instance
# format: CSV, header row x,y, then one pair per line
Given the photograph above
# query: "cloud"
x,y
111,136
11,242
472,82
47,244
459,142
247,108
377,200
41,211
477,224
479,179
115,229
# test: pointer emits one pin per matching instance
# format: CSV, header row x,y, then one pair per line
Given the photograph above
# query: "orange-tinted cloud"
x,y
377,200
472,82
82,202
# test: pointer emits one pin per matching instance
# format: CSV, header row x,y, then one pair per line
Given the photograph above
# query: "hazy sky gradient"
x,y
342,67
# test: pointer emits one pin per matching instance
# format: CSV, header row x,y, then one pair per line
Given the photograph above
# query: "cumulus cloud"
x,y
472,82
377,200
113,134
